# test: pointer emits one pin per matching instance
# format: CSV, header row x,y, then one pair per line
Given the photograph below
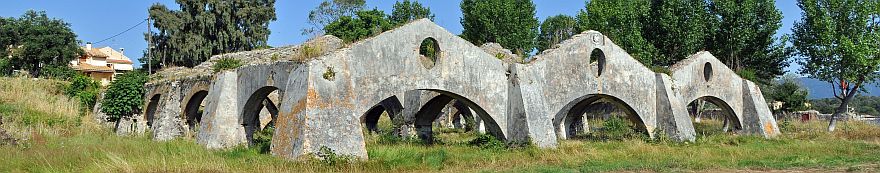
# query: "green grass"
x,y
84,148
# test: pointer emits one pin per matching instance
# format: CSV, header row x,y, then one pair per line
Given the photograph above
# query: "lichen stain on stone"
x,y
768,128
283,141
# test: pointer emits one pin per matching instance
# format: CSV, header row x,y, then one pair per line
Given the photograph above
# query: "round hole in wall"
x,y
707,71
429,52
597,59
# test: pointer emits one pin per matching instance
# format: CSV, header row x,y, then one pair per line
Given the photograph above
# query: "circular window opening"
x,y
429,52
597,59
707,71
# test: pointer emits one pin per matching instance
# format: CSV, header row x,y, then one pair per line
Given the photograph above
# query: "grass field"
x,y
57,140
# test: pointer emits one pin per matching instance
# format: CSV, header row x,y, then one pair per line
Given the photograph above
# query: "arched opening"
x,y
440,120
152,107
597,60
429,52
375,122
712,116
192,112
599,117
258,115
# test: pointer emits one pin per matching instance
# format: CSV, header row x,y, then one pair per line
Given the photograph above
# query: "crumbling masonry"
x,y
329,101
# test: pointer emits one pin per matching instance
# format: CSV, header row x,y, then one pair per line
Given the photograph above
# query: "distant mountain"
x,y
820,89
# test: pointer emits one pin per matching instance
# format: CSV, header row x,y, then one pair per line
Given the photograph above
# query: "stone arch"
x,y
191,115
370,119
728,112
426,115
250,113
565,121
152,108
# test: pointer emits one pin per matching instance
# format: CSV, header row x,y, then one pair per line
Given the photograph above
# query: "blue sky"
x,y
95,20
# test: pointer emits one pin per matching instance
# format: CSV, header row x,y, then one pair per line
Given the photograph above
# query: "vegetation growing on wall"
x,y
226,64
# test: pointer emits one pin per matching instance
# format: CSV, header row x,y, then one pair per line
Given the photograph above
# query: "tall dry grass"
x,y
37,107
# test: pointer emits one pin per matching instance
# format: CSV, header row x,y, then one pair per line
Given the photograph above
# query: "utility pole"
x,y
149,47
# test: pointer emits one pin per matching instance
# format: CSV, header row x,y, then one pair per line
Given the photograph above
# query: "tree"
x,y
679,28
838,42
202,28
554,30
368,23
623,21
789,91
407,11
330,11
511,23
34,41
744,39
125,96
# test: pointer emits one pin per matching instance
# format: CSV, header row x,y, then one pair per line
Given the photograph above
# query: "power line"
x,y
123,32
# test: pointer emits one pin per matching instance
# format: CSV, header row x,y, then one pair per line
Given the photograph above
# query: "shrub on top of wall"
x,y
226,64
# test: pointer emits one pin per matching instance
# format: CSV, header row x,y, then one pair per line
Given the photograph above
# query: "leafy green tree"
x,y
511,23
407,11
556,29
34,41
678,28
202,28
125,96
839,42
789,91
624,21
330,11
368,23
744,38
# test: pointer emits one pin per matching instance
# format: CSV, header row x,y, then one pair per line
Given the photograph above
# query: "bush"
x,y
329,157
84,89
263,139
58,72
5,67
125,96
748,74
487,141
226,64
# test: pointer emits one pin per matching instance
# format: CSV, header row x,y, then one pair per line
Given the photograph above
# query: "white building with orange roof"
x,y
102,64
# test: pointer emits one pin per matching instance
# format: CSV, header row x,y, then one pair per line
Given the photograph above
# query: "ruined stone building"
x,y
331,99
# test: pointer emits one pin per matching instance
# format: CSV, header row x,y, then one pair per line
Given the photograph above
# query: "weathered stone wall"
x,y
324,100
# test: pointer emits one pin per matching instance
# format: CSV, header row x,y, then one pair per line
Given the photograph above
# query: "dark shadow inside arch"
x,y
574,120
192,113
152,107
429,113
711,116
259,128
390,106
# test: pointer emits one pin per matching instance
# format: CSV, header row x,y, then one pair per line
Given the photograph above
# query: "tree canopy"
x,y
35,41
554,30
511,23
744,38
839,42
367,23
329,11
202,28
623,21
408,11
